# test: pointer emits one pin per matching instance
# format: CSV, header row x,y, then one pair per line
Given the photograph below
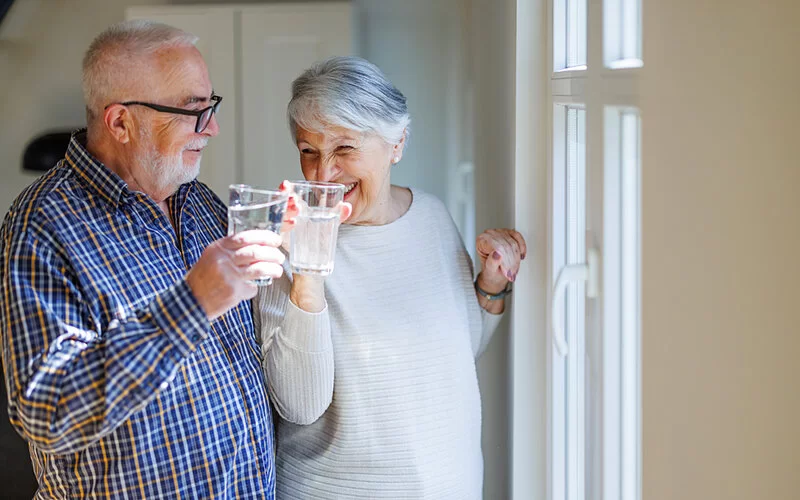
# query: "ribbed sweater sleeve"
x,y
297,354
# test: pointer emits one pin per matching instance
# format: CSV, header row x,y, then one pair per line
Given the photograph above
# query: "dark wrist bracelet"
x,y
494,296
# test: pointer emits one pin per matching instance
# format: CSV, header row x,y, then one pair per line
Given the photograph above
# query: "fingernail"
x,y
496,255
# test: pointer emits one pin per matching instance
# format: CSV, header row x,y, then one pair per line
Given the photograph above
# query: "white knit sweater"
x,y
377,394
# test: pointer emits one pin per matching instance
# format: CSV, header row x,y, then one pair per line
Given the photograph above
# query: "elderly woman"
x,y
372,370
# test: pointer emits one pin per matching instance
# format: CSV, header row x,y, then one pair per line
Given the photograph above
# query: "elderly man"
x,y
129,352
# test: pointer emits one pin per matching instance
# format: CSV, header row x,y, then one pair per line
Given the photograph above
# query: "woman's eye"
x,y
344,149
306,151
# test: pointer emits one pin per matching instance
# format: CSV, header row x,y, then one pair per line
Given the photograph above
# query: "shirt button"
x,y
164,386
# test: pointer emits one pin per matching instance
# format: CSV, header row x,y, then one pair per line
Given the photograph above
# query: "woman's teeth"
x,y
350,187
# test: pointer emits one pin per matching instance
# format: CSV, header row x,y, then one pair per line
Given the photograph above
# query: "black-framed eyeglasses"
x,y
203,115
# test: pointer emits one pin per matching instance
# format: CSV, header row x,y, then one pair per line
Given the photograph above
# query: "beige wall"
x,y
721,241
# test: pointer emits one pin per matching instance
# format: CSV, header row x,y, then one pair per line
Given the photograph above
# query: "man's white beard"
x,y
170,170
167,171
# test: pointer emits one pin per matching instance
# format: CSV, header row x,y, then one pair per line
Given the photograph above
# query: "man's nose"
x,y
213,127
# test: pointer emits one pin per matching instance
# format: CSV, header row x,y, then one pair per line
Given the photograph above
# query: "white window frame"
x,y
566,436
611,376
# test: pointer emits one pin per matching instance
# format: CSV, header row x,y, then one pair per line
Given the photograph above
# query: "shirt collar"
x,y
98,177
92,172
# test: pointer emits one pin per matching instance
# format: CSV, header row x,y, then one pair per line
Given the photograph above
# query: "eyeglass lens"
x,y
204,119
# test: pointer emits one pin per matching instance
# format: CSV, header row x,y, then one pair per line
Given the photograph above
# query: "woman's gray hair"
x,y
348,92
118,51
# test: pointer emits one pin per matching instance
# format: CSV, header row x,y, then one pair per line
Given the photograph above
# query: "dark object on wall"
x,y
5,5
16,472
45,151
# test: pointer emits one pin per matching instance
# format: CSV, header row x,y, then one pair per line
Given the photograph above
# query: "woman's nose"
x,y
328,170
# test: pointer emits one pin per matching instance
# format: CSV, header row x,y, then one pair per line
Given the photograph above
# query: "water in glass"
x,y
313,242
253,209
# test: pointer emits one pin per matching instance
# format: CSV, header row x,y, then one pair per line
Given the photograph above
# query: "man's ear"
x,y
118,120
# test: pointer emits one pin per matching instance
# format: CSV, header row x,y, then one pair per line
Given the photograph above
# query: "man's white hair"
x,y
119,49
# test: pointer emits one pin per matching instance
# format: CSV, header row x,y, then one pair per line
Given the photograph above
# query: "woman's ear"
x,y
397,149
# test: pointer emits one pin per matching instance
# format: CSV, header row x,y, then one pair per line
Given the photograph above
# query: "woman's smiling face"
x,y
362,162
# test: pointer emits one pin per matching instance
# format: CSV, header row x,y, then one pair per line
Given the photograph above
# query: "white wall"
x,y
42,89
529,343
721,240
418,44
492,37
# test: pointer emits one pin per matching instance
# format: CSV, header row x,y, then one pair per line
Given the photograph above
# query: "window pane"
x,y
558,368
576,31
621,324
569,34
575,307
630,303
569,247
622,28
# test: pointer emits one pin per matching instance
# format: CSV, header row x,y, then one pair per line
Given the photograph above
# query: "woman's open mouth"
x,y
349,188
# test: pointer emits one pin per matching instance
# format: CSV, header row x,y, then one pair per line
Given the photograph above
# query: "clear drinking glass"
x,y
254,208
313,240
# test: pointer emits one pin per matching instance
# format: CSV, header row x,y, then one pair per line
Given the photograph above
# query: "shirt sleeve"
x,y
297,354
489,324
482,329
70,382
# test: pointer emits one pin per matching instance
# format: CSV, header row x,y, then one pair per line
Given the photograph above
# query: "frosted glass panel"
x,y
622,306
622,33
576,33
569,34
569,247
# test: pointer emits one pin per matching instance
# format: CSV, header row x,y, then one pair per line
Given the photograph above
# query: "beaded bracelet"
x,y
494,296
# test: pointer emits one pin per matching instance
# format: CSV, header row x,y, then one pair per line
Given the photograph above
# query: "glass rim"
x,y
256,189
319,184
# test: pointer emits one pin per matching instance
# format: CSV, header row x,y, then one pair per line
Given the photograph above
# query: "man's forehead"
x,y
183,76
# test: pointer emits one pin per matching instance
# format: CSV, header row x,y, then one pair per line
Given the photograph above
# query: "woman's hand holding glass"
x,y
307,290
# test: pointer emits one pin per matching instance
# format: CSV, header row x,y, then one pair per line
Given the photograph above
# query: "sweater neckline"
x,y
350,228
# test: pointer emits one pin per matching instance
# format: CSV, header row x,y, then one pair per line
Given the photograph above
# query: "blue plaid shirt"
x,y
115,377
